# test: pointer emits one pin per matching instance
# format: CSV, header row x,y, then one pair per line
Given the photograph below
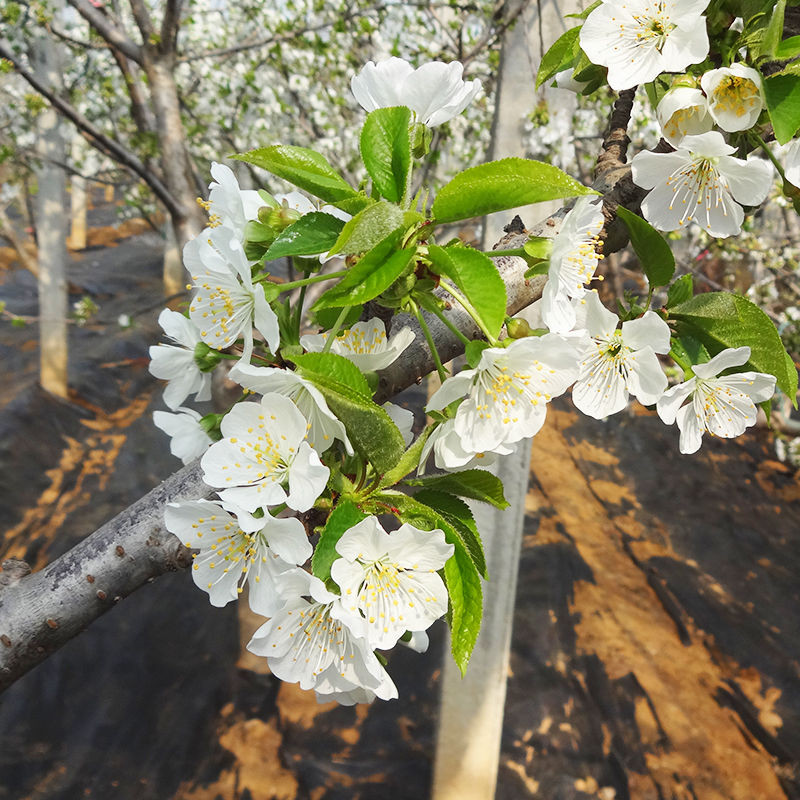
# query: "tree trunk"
x,y
78,198
51,231
188,221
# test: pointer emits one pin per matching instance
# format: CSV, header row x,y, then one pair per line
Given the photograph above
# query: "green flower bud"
x,y
210,424
282,217
421,138
688,81
518,328
206,357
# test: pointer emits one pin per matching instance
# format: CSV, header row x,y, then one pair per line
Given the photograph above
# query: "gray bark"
x,y
51,229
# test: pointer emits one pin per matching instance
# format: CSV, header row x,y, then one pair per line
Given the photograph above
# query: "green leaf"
x,y
500,185
456,512
476,275
386,150
460,575
782,93
687,351
472,352
539,247
332,365
370,429
788,48
368,228
560,56
352,205
680,291
720,320
774,31
303,167
477,484
342,518
409,461
653,252
257,232
373,274
311,235
326,318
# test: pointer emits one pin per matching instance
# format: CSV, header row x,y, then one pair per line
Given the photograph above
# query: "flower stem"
x,y
298,312
470,309
514,251
334,331
778,166
429,339
285,287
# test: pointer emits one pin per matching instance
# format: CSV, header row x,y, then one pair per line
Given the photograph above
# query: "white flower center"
x,y
736,94
233,550
360,343
385,590
698,183
273,456
498,391
682,121
609,363
317,638
651,28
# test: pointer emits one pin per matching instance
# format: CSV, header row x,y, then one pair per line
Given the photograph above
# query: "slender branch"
x,y
143,20
84,45
106,26
95,136
170,25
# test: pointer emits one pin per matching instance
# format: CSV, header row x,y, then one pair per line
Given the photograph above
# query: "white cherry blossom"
x,y
700,182
573,262
188,440
683,111
365,344
639,39
791,162
263,449
307,643
176,364
723,405
324,426
735,96
227,304
388,581
618,362
228,205
435,92
509,390
262,554
449,453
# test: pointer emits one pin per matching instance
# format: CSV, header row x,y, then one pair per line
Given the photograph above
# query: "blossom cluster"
x,y
701,181
303,486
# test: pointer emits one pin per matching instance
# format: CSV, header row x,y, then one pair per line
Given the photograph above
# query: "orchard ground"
x,y
656,640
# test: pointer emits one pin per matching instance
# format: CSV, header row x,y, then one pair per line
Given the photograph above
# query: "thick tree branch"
x,y
107,28
141,113
95,136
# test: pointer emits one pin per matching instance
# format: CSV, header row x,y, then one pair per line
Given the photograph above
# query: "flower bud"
x,y
687,81
421,137
281,217
206,357
518,328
